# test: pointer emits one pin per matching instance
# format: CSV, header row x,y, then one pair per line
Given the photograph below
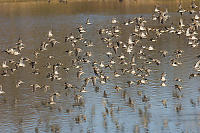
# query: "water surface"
x,y
24,111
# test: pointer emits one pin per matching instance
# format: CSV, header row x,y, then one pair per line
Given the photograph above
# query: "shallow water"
x,y
24,111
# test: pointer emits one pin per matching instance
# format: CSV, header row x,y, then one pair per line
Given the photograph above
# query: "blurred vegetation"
x,y
142,1
42,7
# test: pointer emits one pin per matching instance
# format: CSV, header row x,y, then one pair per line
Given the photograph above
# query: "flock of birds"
x,y
119,53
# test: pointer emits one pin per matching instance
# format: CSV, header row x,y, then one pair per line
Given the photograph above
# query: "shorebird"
x,y
1,90
197,66
50,34
156,10
21,63
19,83
88,22
163,79
114,21
4,65
81,29
35,86
51,100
